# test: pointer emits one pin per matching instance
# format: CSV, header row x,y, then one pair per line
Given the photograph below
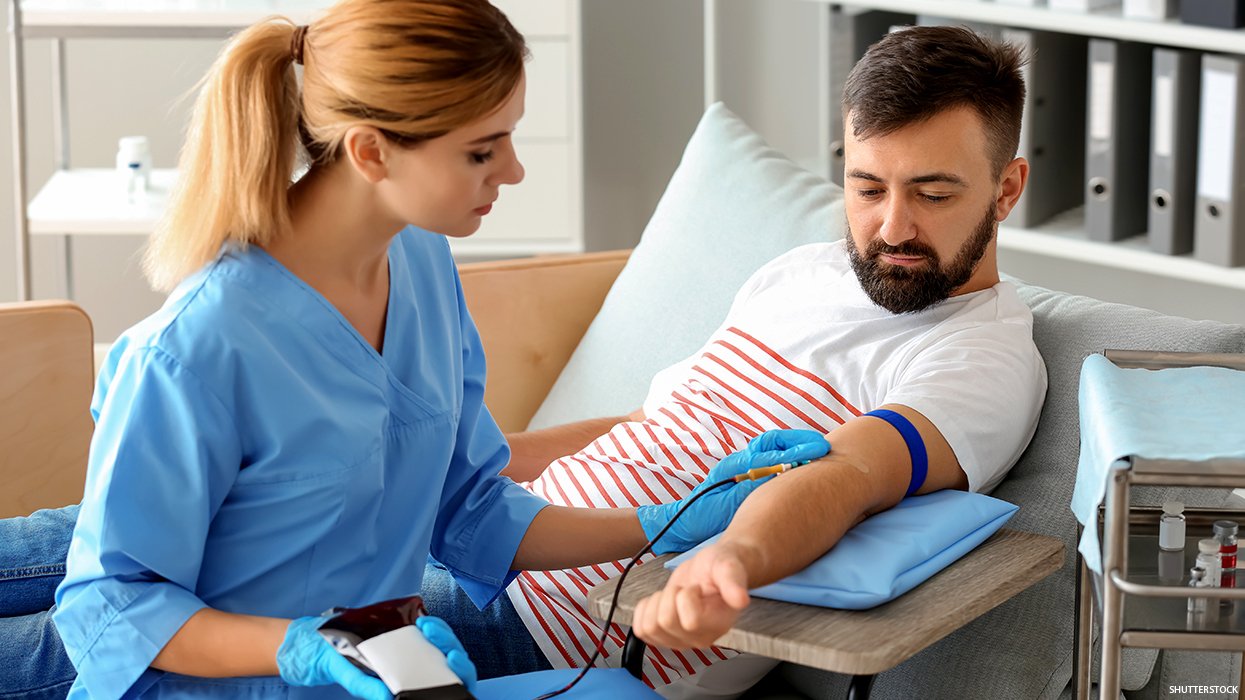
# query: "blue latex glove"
x,y
442,637
306,659
711,514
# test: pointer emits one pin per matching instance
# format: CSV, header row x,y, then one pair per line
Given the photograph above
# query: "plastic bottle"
x,y
134,161
1171,527
1208,559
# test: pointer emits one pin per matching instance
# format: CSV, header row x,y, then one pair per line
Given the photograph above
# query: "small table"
x,y
862,642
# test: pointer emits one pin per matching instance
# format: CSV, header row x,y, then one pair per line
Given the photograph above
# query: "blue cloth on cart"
x,y
598,684
1185,413
892,552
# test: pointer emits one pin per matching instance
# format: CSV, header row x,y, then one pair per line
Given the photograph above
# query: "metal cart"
x,y
1155,615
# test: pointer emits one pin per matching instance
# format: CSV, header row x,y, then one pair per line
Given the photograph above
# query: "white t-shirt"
x,y
802,347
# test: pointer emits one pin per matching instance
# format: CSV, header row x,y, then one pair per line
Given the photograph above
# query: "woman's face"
x,y
448,185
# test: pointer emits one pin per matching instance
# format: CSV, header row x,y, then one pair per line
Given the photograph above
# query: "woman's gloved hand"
x,y
712,513
439,634
306,658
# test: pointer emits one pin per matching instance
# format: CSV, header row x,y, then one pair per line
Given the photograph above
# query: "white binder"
x,y
1051,136
1083,5
1150,9
1219,229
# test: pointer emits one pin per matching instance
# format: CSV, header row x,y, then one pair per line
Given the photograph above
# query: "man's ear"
x,y
1011,185
367,150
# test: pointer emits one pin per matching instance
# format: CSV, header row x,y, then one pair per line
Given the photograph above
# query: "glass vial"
x,y
1171,527
1225,533
1197,579
1171,567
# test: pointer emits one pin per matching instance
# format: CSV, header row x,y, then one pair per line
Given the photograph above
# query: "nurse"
x,y
302,423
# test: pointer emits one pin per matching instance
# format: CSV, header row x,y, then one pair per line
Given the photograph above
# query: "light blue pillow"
x,y
892,552
732,205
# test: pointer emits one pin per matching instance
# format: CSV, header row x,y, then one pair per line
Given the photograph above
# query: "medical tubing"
x,y
609,619
916,446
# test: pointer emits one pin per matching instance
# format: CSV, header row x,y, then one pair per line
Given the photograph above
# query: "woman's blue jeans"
x,y
32,563
34,665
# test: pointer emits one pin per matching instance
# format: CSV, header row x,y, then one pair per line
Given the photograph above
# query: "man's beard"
x,y
901,289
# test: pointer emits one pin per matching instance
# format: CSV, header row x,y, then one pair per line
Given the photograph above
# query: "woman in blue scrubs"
x,y
302,423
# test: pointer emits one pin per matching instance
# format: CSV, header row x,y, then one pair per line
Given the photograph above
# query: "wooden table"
x,y
864,642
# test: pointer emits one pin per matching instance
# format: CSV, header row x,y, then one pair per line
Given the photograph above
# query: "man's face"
x,y
922,211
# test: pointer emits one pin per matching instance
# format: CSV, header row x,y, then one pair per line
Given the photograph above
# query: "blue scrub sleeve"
x,y
164,454
482,516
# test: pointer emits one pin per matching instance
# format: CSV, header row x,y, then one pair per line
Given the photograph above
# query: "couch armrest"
x,y
531,315
46,378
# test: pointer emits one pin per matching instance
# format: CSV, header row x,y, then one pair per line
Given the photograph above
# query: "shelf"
x,y
1105,23
1171,615
1064,237
92,201
163,18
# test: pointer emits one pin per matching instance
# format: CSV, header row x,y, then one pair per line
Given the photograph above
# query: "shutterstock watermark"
x,y
1203,689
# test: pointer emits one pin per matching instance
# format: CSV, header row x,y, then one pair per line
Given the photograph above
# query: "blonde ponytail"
x,y
238,158
414,69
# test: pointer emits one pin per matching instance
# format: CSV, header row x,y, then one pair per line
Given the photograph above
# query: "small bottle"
x,y
134,161
1197,579
1208,559
1171,527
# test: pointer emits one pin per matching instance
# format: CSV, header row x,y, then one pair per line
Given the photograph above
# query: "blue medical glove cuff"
x,y
653,519
305,658
711,515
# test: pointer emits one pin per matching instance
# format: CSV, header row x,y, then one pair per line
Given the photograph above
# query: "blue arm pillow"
x,y
892,552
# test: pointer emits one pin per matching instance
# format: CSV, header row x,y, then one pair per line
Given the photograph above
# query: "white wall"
x,y
770,76
643,95
642,92
116,88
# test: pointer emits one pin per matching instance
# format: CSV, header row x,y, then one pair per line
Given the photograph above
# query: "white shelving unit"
x,y
1064,237
544,214
90,201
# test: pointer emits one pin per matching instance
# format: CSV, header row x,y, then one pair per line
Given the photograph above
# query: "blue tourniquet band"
x,y
916,446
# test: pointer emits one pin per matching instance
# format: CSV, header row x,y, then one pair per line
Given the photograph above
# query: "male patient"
x,y
906,314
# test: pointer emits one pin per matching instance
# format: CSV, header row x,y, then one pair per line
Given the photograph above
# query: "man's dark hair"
x,y
913,74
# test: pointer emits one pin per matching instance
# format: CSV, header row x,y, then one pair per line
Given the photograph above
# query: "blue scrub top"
x,y
253,453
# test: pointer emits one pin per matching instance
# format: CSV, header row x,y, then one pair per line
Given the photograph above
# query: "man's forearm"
x,y
561,538
532,451
792,520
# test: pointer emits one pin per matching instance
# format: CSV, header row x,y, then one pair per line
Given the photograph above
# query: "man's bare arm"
x,y
791,521
794,520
